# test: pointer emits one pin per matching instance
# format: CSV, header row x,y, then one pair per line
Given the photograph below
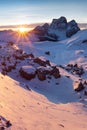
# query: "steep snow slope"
x,y
28,110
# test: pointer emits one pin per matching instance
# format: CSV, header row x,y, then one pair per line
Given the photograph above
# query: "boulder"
x,y
80,87
55,72
28,72
41,74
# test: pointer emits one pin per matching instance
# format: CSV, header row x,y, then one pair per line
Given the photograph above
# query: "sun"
x,y
22,29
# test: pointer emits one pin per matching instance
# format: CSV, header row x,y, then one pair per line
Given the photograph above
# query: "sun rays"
x,y
22,30
22,34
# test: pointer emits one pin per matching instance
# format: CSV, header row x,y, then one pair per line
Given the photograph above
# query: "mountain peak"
x,y
58,29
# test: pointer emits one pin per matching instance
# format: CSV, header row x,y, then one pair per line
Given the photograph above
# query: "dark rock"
x,y
67,76
46,26
75,66
26,74
57,83
85,82
72,28
8,124
47,52
55,72
41,30
10,43
41,75
46,32
60,23
49,77
75,69
85,93
42,72
80,87
28,87
41,62
84,41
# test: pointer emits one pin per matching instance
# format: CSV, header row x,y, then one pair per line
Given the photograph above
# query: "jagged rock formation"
x,y
72,28
59,29
60,23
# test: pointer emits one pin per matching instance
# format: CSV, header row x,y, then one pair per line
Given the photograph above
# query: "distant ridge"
x,y
82,25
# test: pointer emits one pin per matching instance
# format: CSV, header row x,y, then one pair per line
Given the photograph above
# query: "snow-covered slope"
x,y
52,103
30,110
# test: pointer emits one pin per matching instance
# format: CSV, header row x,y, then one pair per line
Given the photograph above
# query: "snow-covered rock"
x,y
42,72
27,72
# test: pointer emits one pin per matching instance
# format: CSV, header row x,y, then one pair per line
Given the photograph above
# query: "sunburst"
x,y
22,30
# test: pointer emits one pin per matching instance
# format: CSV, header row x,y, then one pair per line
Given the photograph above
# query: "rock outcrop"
x,y
41,69
60,23
28,72
80,87
59,29
72,28
75,69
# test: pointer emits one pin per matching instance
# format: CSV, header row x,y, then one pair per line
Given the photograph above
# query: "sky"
x,y
14,12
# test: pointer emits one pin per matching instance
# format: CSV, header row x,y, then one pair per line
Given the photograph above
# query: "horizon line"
x,y
27,25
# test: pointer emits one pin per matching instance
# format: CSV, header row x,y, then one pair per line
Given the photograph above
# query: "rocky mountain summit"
x,y
59,29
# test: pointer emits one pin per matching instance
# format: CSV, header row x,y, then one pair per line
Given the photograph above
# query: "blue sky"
x,y
14,12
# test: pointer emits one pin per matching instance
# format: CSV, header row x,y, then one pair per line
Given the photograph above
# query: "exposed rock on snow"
x,y
80,87
47,52
41,62
28,72
84,41
4,123
75,69
55,72
42,72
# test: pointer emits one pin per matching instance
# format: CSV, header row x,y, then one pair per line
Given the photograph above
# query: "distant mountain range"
x,y
82,25
32,26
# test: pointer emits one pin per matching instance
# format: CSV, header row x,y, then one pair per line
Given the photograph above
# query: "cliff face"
x,y
59,29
